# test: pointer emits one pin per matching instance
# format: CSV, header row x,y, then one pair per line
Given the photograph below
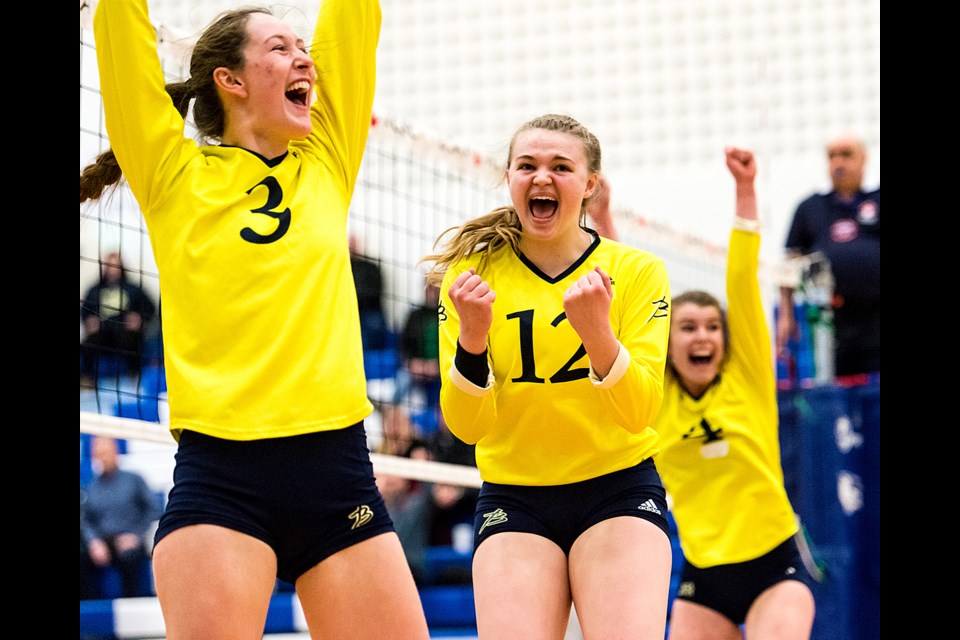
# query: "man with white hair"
x,y
844,225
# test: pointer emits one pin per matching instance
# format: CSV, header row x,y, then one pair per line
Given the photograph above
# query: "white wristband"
x,y
743,224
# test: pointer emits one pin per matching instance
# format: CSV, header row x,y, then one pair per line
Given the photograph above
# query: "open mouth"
x,y
299,93
700,360
542,207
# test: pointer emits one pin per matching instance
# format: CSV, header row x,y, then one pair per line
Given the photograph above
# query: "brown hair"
x,y
501,227
220,45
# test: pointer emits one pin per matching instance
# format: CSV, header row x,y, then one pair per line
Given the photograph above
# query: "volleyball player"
x,y
261,333
720,455
553,347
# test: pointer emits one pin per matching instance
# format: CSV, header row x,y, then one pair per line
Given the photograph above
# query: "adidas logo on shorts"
x,y
650,506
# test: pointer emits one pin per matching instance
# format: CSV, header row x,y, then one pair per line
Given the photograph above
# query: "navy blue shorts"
x,y
562,512
730,589
306,496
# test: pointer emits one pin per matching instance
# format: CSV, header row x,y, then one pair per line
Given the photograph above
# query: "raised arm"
x,y
344,50
749,330
144,127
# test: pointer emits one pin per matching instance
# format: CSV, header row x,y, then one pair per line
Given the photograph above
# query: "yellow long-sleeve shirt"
x,y
543,420
260,322
720,454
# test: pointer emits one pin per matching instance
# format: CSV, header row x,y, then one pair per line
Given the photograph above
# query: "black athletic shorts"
x,y
730,589
306,496
562,512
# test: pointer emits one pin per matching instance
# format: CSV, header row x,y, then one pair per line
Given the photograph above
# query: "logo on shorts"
x,y
361,516
499,516
686,590
650,506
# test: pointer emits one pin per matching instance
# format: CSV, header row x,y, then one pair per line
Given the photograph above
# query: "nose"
x,y
541,176
304,60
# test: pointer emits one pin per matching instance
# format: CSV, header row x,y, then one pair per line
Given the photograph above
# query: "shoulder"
x,y
814,200
628,255
473,260
132,476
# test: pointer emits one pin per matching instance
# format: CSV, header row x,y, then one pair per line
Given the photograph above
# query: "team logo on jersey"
x,y
868,213
661,309
495,517
704,430
714,445
361,516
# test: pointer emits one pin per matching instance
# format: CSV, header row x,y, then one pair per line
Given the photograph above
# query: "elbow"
x,y
469,435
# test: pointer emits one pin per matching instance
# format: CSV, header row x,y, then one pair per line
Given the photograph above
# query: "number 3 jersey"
x,y
260,323
544,418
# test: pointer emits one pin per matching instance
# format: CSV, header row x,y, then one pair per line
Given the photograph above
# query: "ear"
x,y
592,183
228,81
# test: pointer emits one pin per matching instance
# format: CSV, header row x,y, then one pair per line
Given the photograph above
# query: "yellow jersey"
x,y
260,322
720,454
544,419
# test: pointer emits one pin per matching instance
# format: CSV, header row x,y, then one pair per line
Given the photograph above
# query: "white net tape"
x,y
423,470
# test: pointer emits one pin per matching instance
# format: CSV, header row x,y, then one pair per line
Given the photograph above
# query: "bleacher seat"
x,y
110,585
144,404
381,364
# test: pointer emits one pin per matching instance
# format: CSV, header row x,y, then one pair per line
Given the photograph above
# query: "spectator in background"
x,y
397,430
368,280
410,504
117,510
425,513
452,504
419,352
89,575
844,225
115,314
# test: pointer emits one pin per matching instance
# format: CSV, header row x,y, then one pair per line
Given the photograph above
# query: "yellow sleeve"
x,y
344,50
634,399
749,331
469,411
146,131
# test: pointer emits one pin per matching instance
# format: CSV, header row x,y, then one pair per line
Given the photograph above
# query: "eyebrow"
x,y
278,36
529,157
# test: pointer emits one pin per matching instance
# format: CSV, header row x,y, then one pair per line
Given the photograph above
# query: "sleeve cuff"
x,y
462,383
743,224
616,371
471,373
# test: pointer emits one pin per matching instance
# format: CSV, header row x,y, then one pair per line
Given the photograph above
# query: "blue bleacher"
x,y
145,403
110,585
381,364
